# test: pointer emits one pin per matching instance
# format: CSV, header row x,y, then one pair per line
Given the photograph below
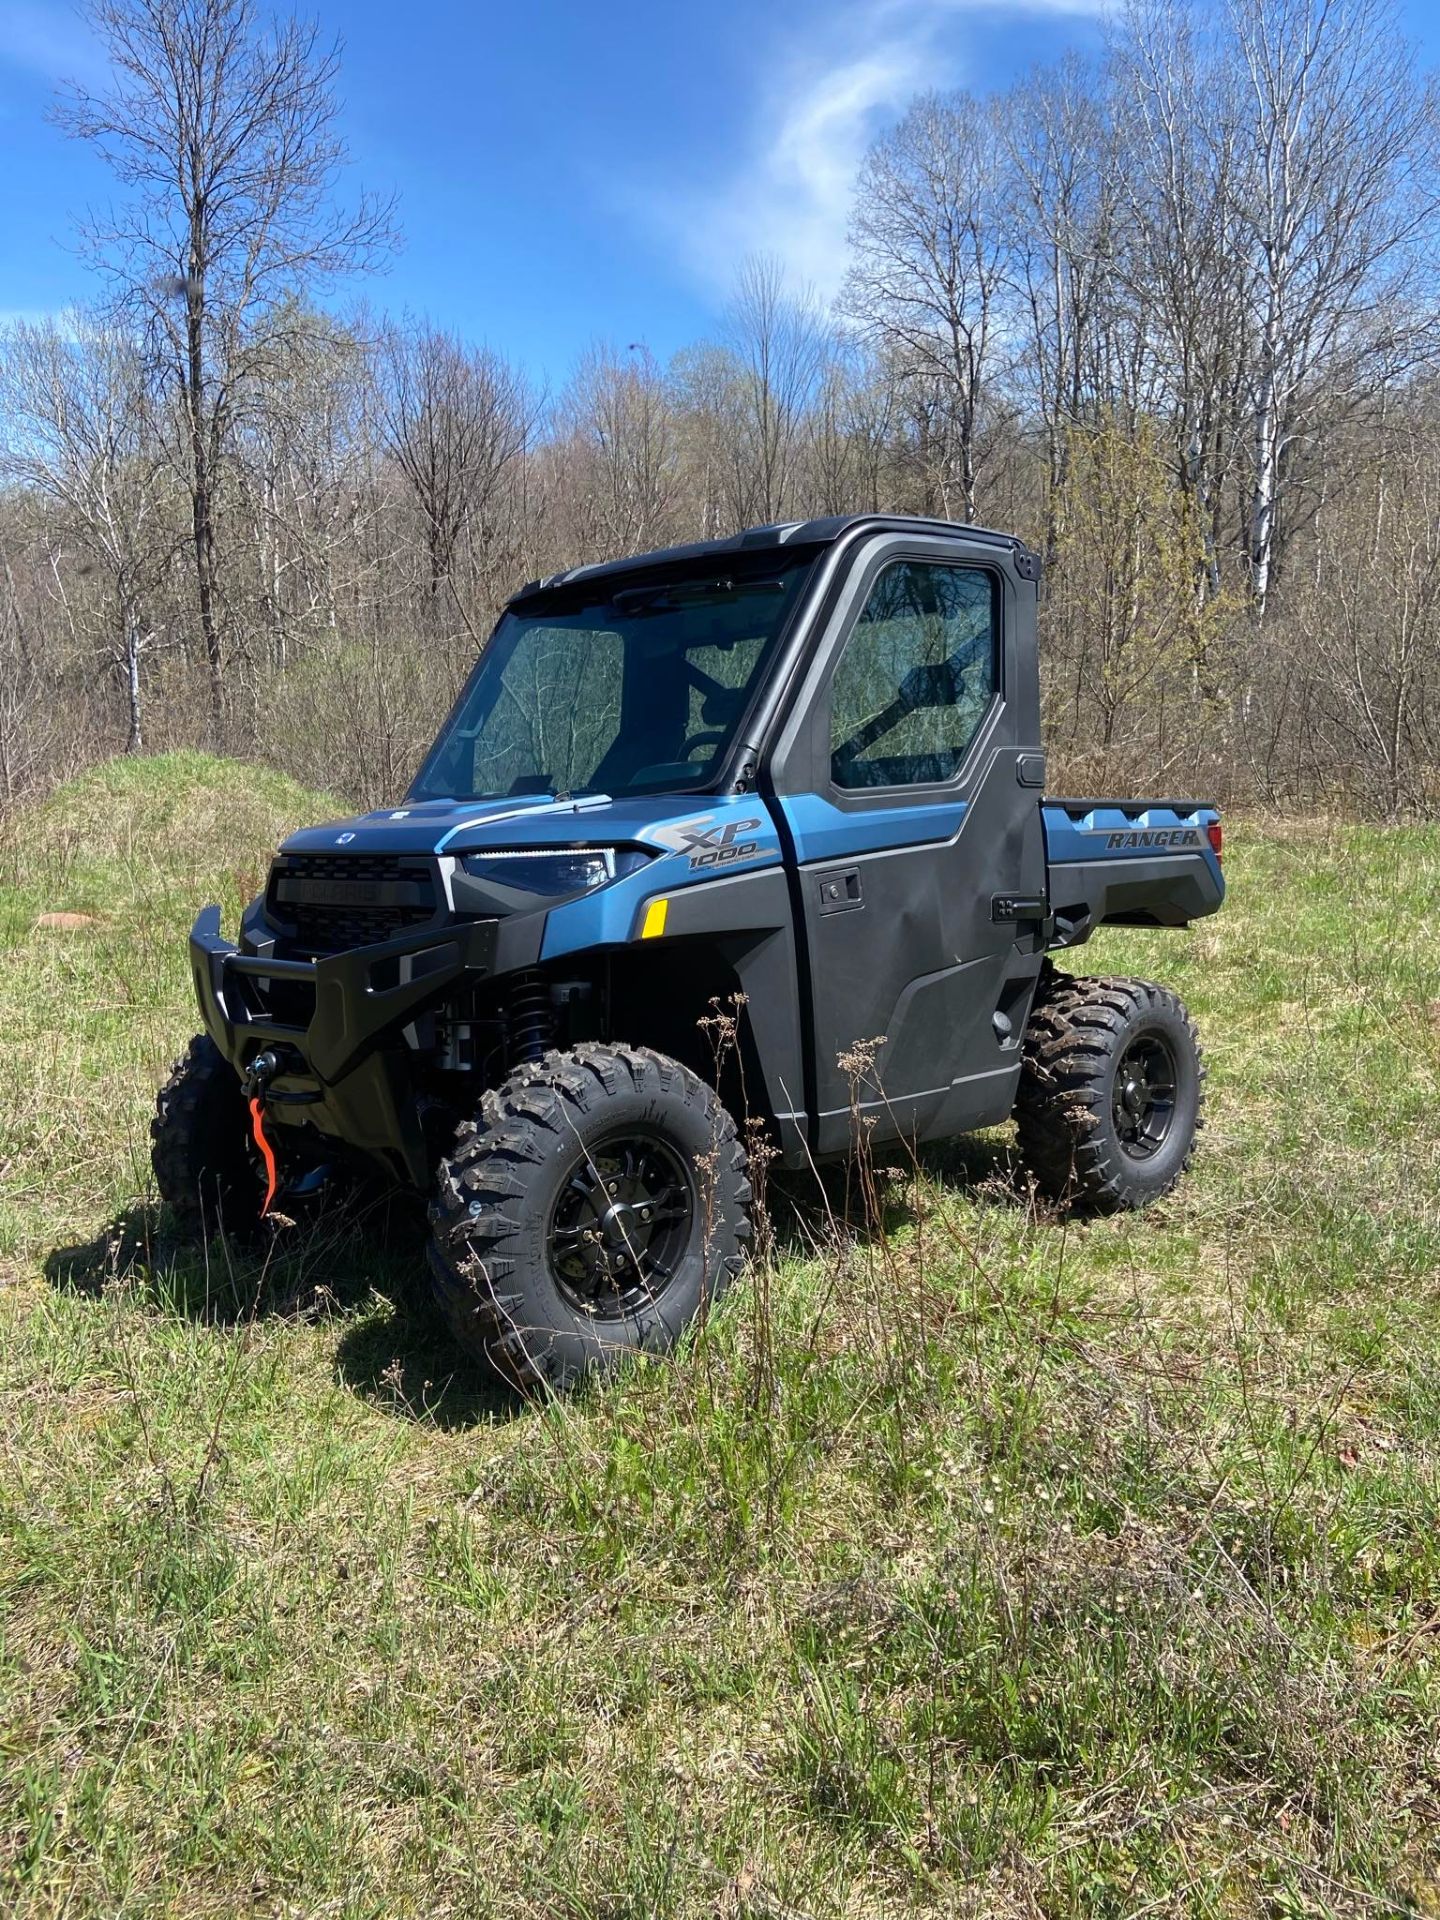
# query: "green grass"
x,y
986,1565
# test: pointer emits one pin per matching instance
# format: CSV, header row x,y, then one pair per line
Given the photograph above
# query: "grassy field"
x,y
979,1564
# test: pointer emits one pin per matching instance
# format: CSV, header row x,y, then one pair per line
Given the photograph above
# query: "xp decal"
x,y
711,845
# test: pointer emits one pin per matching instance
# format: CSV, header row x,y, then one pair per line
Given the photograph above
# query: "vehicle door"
x,y
907,778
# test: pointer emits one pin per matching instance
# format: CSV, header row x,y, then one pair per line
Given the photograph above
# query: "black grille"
x,y
330,902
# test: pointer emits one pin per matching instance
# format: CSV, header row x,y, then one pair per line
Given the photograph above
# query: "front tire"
x,y
1111,1092
594,1209
200,1146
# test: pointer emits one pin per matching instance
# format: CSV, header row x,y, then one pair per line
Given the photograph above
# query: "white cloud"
x,y
790,195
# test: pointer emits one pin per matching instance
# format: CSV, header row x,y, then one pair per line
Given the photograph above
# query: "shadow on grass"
x,y
985,1165
397,1356
806,1207
288,1270
405,1363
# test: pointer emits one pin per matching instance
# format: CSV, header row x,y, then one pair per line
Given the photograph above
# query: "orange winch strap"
x,y
267,1152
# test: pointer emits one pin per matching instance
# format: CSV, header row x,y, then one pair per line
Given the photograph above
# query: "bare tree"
x,y
1064,188
621,416
79,430
455,419
777,341
28,719
1125,585
1183,276
930,262
1372,630
300,467
222,129
848,431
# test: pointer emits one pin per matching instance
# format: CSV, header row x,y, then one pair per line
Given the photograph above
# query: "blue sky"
x,y
569,171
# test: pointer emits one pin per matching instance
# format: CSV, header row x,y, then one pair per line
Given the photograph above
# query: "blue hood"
x,y
470,826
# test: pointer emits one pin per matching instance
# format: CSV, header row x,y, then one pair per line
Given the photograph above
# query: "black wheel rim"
x,y
621,1225
1143,1097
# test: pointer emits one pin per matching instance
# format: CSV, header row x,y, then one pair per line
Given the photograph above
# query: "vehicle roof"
x,y
788,533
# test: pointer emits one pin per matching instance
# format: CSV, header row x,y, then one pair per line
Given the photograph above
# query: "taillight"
x,y
1215,833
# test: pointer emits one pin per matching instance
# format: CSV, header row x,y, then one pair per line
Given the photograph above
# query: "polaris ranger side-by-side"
x,y
797,773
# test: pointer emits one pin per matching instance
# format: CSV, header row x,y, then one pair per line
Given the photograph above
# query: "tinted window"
x,y
617,686
557,710
916,678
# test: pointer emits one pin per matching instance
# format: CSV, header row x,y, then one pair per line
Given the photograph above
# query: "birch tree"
x,y
1334,210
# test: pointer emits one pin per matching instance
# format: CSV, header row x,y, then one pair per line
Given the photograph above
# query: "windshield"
x,y
630,685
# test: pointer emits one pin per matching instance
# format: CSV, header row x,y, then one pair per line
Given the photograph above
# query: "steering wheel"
x,y
714,736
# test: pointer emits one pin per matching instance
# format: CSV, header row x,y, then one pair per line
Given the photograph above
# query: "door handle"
x,y
1018,906
841,892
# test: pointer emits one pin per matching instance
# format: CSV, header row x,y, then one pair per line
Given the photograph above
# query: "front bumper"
x,y
342,1036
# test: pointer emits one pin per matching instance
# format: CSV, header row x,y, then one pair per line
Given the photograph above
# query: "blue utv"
x,y
792,781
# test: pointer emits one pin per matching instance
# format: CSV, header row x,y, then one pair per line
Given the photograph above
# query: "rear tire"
x,y
1111,1091
200,1146
594,1209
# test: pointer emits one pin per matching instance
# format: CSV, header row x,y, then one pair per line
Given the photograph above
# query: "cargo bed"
x,y
1132,863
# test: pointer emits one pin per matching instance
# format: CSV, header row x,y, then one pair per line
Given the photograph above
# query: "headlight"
x,y
551,871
